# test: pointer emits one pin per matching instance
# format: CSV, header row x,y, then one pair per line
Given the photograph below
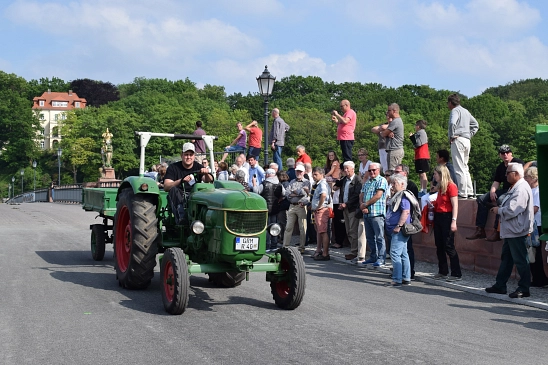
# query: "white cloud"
x,y
485,19
125,28
230,72
515,60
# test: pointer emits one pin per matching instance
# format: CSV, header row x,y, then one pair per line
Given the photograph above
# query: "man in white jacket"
x,y
516,222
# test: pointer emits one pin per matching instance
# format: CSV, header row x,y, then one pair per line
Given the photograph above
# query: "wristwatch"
x,y
453,219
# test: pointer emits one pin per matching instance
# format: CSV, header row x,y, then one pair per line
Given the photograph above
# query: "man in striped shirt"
x,y
373,207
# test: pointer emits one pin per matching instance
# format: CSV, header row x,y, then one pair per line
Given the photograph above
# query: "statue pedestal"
x,y
108,174
107,179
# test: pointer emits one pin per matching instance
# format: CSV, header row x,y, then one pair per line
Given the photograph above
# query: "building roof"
x,y
49,96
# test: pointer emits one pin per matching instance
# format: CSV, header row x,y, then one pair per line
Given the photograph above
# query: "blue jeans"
x,y
400,259
254,151
374,232
235,149
277,158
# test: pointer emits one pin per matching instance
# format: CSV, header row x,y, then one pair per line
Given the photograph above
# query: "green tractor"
x,y
225,236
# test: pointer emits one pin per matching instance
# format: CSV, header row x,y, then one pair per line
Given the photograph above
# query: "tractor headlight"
x,y
197,227
274,229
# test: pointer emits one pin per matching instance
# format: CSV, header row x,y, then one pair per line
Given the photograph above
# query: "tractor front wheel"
x,y
175,281
98,239
288,289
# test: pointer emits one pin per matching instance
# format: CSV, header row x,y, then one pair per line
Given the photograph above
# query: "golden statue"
x,y
107,147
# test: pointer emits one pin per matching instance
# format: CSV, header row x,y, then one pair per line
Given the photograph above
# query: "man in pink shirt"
x,y
345,129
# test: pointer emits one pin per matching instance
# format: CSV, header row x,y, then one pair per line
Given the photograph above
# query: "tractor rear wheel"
x,y
227,279
288,290
98,239
175,281
135,232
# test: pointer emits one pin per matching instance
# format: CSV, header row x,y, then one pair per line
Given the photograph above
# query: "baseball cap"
x,y
505,148
299,168
270,172
188,147
290,162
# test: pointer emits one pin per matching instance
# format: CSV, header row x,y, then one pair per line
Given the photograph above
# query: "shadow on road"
x,y
74,258
148,300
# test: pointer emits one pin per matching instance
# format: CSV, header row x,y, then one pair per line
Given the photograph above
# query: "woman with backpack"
x,y
398,214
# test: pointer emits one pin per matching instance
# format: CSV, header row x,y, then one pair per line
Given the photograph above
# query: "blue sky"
x,y
465,45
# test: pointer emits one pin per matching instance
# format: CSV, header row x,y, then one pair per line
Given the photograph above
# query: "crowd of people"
x,y
372,204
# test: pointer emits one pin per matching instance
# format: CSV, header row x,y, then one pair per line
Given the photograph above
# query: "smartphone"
x,y
255,176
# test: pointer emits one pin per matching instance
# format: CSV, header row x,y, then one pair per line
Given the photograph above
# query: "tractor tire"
x,y
175,281
98,241
227,279
135,232
288,290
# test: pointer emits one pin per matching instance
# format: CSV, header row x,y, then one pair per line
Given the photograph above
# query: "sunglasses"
x,y
372,170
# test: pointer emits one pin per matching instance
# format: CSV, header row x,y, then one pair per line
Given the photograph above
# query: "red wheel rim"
x,y
169,284
282,286
123,239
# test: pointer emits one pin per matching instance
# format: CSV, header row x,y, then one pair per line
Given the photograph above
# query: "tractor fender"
x,y
136,183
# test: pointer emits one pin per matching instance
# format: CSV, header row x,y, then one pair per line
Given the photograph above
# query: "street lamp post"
x,y
13,184
22,179
34,168
59,153
266,83
9,191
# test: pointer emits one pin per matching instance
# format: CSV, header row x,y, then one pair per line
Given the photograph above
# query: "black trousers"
x,y
346,149
445,244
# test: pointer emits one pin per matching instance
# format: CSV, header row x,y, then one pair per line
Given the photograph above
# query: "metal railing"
x,y
58,194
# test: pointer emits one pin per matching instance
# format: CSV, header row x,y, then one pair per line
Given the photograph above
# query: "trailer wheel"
x,y
135,232
175,281
288,290
227,279
98,239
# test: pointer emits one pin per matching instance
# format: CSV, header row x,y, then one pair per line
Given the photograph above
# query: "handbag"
x,y
531,251
331,212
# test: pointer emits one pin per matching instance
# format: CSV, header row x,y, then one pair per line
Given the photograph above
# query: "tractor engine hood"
x,y
227,195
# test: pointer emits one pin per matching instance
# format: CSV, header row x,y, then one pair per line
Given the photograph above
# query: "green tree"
x,y
18,124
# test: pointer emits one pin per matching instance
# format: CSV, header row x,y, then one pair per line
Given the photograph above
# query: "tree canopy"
x,y
506,114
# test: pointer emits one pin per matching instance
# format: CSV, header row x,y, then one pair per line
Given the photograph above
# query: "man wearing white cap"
x,y
269,189
180,175
297,194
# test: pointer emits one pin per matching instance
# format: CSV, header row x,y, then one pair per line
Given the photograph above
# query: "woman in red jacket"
x,y
445,225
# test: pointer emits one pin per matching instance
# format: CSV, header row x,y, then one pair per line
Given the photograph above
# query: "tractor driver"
x,y
180,175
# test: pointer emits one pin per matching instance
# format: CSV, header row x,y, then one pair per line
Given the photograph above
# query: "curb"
x,y
426,278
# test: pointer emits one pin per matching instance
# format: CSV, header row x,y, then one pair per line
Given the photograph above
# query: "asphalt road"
x,y
58,306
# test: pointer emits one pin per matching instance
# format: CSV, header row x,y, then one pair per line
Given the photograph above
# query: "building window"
x,y
55,132
56,116
41,102
59,103
42,144
42,116
63,116
76,104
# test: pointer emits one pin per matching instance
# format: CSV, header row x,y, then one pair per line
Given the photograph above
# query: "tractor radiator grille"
x,y
246,223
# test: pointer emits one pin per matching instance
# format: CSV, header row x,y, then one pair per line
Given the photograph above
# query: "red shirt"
x,y
304,158
255,137
443,201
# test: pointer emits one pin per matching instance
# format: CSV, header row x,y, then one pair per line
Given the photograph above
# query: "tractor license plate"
x,y
247,243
